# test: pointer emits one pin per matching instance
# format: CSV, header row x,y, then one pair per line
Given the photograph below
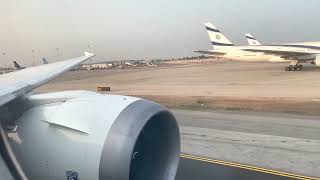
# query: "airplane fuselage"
x,y
240,53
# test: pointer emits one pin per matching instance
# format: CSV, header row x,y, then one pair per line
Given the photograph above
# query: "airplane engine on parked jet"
x,y
317,61
85,135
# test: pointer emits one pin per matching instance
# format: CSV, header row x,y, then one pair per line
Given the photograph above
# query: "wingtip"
x,y
88,54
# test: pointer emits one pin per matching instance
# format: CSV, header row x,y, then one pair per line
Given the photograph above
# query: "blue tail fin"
x,y
45,61
16,65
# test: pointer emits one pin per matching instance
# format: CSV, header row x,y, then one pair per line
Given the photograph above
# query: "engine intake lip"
x,y
142,125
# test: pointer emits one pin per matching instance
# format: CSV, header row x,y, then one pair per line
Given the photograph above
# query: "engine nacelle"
x,y
317,61
85,135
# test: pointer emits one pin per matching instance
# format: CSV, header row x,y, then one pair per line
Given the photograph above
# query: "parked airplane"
x,y
252,41
81,134
17,65
45,61
295,54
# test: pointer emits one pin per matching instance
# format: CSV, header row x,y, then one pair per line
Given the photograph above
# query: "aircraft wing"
x,y
18,83
285,53
208,52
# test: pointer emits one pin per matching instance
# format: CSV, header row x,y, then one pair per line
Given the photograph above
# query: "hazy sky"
x,y
136,29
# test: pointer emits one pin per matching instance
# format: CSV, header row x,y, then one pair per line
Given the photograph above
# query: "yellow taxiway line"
x,y
247,167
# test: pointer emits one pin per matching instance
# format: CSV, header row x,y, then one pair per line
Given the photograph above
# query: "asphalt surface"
x,y
297,126
190,169
283,142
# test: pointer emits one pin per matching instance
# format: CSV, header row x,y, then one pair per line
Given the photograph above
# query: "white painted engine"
x,y
85,135
317,61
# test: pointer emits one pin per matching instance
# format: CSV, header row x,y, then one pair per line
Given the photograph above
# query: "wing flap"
x,y
18,83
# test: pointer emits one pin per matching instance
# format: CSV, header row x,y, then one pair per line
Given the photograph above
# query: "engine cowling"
x,y
85,135
317,61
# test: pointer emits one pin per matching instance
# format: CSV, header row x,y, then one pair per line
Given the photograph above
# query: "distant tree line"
x,y
189,58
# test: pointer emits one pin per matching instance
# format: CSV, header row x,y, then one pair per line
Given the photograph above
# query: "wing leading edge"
x,y
208,52
278,52
18,83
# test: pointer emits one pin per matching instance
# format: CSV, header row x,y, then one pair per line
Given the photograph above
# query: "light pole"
x,y
58,53
89,47
4,58
33,57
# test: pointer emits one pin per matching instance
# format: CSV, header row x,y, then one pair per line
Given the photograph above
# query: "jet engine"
x,y
317,61
85,135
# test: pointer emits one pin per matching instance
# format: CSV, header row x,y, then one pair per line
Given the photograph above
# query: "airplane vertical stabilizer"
x,y
45,61
252,40
17,65
216,37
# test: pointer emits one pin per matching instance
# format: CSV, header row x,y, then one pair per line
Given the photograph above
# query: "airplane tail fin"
x,y
45,61
16,65
217,39
252,40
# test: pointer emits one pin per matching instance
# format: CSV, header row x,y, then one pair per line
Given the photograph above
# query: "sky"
x,y
144,29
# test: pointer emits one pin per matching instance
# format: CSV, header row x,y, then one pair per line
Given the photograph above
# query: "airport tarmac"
x,y
230,79
215,85
241,106
194,167
289,143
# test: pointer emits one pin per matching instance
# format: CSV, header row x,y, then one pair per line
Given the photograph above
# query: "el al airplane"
x,y
252,41
295,54
45,61
81,134
18,66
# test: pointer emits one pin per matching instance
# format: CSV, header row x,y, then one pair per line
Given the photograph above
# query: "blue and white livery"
x,y
252,41
293,53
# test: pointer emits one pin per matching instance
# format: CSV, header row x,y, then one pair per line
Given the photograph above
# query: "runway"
x,y
284,142
280,124
197,168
